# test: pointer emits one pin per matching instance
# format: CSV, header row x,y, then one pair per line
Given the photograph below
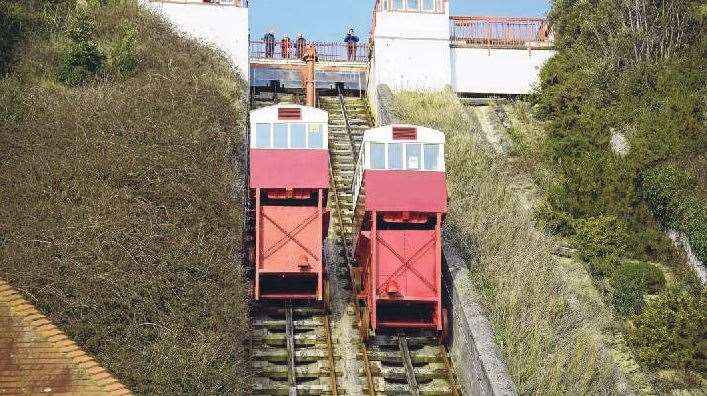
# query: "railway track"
x,y
294,353
396,364
292,349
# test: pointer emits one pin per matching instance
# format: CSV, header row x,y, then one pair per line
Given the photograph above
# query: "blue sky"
x,y
328,20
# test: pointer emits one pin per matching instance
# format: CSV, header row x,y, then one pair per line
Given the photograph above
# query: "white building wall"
x,y
497,71
411,51
222,26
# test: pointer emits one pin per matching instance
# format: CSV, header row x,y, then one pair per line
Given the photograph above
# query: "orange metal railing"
x,y
326,51
500,32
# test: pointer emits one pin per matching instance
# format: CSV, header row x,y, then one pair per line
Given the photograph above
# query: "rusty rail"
x,y
330,357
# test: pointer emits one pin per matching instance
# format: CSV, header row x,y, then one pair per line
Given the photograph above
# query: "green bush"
x,y
123,57
83,57
663,186
598,237
669,331
604,266
554,221
630,281
670,191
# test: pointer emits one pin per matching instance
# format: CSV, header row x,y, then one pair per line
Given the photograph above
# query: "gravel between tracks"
x,y
343,321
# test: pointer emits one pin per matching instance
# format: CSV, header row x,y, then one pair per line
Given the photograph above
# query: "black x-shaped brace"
x,y
290,235
407,264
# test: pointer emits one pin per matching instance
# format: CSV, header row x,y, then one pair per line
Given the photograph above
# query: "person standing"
x,y
300,46
351,41
269,40
285,46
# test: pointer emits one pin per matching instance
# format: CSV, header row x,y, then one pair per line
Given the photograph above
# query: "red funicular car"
x,y
400,201
289,181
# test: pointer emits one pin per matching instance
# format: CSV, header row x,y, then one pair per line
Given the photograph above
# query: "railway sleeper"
x,y
301,356
304,372
434,388
423,374
280,324
421,356
280,339
275,388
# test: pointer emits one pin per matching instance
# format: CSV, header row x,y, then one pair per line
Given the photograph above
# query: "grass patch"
x,y
121,201
549,337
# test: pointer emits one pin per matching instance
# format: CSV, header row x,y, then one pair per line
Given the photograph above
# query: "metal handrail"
x,y
500,32
326,51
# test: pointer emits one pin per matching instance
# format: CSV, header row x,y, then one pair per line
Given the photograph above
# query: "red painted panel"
x,y
413,191
289,113
404,133
414,280
299,252
289,168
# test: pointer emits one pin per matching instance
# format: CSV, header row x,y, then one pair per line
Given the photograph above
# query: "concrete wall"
x,y
411,51
222,26
496,71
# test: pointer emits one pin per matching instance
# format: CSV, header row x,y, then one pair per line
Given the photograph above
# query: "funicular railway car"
x,y
400,201
288,182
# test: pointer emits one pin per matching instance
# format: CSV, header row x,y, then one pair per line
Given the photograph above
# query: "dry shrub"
x,y
550,338
121,209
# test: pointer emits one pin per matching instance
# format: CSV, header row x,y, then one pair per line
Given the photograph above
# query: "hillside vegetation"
x,y
121,195
624,104
549,336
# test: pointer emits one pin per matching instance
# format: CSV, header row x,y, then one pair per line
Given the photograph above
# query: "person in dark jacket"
x,y
351,41
269,40
286,46
300,46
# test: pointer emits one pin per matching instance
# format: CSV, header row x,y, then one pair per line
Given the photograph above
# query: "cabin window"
x,y
413,156
395,156
398,4
315,136
431,156
280,136
262,135
298,135
428,5
413,4
377,155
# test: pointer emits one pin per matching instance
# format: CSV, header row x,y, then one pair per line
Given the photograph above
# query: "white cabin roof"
x,y
270,114
384,134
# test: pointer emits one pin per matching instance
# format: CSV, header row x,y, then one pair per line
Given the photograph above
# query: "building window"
x,y
315,136
395,156
413,5
377,155
280,136
413,156
431,156
262,135
298,135
398,4
428,5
